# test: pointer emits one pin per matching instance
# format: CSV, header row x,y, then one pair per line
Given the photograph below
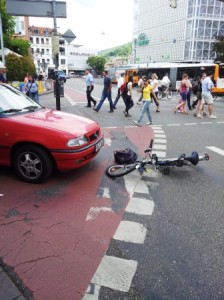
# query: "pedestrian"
x,y
89,88
140,85
165,83
40,82
2,78
147,91
198,101
184,85
31,88
189,89
106,93
26,78
207,86
128,98
119,84
155,83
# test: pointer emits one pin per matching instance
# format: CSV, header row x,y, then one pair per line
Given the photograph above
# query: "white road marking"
x,y
221,122
133,183
92,292
140,206
94,212
169,125
204,123
115,273
108,141
189,124
158,131
157,135
71,101
159,153
130,232
217,150
160,141
159,147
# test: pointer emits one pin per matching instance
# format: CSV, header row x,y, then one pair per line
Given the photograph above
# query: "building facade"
x,y
44,47
185,33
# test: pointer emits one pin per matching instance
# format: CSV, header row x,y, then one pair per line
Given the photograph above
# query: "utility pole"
x,y
2,41
56,57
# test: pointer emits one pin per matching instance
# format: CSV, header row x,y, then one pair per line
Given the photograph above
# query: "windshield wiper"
x,y
31,107
10,110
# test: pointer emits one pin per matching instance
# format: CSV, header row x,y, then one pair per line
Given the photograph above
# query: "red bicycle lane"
x,y
55,234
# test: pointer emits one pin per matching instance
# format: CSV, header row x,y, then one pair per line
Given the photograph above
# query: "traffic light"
x,y
173,3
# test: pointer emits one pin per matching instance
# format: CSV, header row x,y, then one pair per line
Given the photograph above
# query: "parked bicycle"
x,y
152,160
165,92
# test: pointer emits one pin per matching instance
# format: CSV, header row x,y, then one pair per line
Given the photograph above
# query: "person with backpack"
x,y
127,96
198,90
195,90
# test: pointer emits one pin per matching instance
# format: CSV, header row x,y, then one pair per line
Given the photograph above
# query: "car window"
x,y
11,98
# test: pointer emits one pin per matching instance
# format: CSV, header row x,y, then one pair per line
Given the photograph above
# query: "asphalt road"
x,y
180,253
182,256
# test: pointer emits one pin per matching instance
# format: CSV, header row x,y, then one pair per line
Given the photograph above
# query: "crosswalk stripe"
x,y
115,273
217,150
131,232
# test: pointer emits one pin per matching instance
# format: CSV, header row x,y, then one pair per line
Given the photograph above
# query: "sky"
x,y
97,24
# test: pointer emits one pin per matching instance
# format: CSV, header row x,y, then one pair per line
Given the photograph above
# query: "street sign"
x,y
36,8
69,36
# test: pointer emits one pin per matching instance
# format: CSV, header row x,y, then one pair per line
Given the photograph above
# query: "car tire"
x,y
32,164
64,80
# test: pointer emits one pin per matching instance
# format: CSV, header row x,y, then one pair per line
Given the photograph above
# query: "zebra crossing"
x,y
114,272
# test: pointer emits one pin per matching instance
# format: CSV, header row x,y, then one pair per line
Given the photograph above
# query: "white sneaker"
x,y
138,124
199,116
149,123
212,117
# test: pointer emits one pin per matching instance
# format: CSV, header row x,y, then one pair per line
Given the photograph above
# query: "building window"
x,y
37,41
47,51
42,51
38,50
31,40
47,41
62,61
42,41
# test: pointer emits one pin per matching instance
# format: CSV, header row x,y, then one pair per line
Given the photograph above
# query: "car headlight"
x,y
77,142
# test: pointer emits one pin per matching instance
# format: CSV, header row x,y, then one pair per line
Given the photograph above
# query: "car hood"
x,y
58,121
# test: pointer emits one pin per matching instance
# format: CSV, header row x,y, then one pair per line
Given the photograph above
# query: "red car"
x,y
35,140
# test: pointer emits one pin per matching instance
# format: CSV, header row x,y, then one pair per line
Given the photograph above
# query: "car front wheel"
x,y
32,164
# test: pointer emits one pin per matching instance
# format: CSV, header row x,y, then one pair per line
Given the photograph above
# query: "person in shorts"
x,y
207,86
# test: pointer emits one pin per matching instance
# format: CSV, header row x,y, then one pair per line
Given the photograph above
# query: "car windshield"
x,y
12,100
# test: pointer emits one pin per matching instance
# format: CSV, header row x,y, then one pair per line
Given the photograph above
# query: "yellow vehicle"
x,y
176,70
134,74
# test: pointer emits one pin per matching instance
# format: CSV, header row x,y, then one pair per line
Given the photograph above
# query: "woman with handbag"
x,y
31,89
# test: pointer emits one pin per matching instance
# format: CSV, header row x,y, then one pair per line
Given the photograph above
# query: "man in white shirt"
x,y
89,88
165,83
207,86
119,84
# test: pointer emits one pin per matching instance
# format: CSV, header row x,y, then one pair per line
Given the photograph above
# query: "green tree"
x,y
14,66
19,46
8,22
218,47
97,63
28,66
